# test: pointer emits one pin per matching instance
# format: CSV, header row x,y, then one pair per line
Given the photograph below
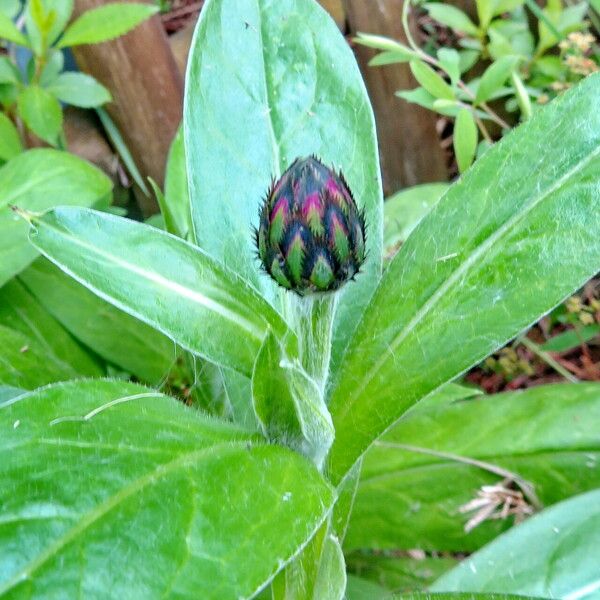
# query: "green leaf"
x,y
50,22
93,465
9,32
451,17
390,57
10,8
431,81
468,59
162,281
403,211
106,23
465,139
41,112
288,404
79,89
36,180
494,77
450,61
567,340
506,264
177,194
554,554
415,479
385,44
522,95
485,12
10,142
114,335
42,351
294,89
8,71
53,67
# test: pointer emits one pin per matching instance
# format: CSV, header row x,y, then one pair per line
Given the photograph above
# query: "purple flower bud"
x,y
311,236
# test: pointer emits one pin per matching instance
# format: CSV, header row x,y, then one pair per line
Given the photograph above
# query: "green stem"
x,y
311,318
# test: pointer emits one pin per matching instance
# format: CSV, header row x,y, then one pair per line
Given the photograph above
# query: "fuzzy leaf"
x,y
199,507
460,288
161,280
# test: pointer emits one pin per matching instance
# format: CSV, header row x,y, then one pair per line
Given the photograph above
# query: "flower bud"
x,y
311,236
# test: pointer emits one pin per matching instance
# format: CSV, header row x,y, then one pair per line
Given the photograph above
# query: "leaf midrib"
x,y
174,287
101,510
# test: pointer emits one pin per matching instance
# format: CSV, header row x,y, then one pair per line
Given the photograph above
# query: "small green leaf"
x,y
41,112
79,89
10,8
452,17
9,32
554,554
390,57
522,95
485,12
468,59
177,195
45,27
450,61
106,23
53,67
567,340
465,139
200,508
431,81
36,180
8,72
494,77
385,44
288,404
10,142
161,280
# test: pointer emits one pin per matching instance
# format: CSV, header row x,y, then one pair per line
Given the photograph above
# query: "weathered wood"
x,y
147,89
409,145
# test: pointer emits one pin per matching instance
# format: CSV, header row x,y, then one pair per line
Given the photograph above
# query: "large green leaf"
x,y
517,234
268,81
547,436
36,180
49,354
112,490
161,280
553,555
114,335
